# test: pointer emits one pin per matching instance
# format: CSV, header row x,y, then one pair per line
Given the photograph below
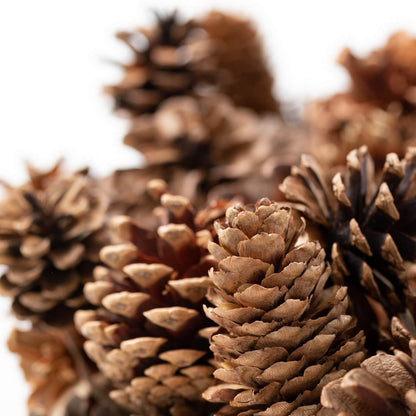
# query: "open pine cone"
x,y
149,334
366,225
48,240
284,333
47,366
208,145
172,58
385,385
379,110
243,73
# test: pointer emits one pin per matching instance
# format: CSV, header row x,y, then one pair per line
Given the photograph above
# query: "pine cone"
x,y
378,110
387,75
47,366
48,239
172,58
149,335
385,385
366,225
244,75
199,144
283,334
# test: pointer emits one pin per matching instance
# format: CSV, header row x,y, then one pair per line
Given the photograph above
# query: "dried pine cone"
x,y
284,334
149,334
172,58
47,366
378,110
199,144
385,385
48,240
366,225
244,75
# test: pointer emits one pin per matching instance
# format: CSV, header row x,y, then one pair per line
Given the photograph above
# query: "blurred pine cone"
x,y
367,227
242,68
48,239
208,145
47,366
171,58
149,334
284,332
385,385
378,110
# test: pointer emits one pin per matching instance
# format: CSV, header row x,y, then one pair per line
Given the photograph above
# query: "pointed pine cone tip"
x,y
119,255
176,204
172,318
147,275
176,235
156,188
121,224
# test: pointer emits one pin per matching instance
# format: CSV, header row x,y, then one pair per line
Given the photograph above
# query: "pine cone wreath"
x,y
48,241
201,143
385,385
367,227
243,70
378,110
47,366
284,332
149,334
170,59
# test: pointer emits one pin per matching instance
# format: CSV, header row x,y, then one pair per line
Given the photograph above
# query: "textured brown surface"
x,y
207,145
47,366
242,68
48,241
149,334
385,385
171,58
367,226
378,110
284,332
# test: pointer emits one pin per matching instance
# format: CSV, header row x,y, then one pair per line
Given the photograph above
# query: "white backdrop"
x,y
52,68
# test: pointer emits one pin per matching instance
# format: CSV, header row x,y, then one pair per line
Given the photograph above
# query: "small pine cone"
x,y
48,239
284,332
149,334
367,227
170,59
200,143
378,110
387,75
47,366
385,385
239,57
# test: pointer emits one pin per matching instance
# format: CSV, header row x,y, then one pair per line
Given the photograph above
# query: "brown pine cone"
x,y
379,110
243,70
284,333
170,59
367,227
47,366
149,334
48,240
207,144
385,385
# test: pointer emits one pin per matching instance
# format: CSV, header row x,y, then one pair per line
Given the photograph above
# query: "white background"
x,y
52,68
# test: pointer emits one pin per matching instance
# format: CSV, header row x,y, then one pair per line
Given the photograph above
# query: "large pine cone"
x,y
201,143
367,226
172,58
243,72
48,240
149,335
385,385
378,110
284,334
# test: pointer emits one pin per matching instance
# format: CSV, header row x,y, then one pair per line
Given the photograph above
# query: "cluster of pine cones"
x,y
230,274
